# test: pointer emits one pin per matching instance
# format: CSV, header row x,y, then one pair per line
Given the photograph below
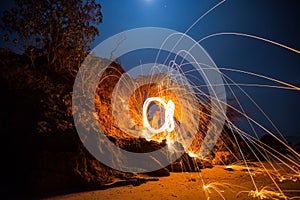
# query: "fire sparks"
x,y
167,88
267,193
216,187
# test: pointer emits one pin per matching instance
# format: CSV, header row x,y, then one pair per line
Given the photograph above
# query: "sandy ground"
x,y
219,184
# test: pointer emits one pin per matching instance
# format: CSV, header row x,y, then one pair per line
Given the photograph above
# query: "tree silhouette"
x,y
46,42
58,30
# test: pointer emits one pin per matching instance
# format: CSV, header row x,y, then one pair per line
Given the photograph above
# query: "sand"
x,y
219,184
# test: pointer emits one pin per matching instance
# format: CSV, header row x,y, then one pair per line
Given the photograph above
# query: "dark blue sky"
x,y
277,20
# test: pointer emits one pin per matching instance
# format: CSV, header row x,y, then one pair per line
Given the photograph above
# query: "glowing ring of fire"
x,y
169,124
87,80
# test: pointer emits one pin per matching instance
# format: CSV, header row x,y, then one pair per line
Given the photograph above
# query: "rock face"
x,y
40,164
62,163
273,145
19,115
228,149
189,164
57,161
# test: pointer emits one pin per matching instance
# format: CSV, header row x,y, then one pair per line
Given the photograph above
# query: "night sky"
x,y
277,20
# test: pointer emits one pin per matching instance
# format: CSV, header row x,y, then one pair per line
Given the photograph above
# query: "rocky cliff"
x,y
43,152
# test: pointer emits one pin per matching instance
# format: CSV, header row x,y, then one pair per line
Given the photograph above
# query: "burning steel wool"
x,y
168,118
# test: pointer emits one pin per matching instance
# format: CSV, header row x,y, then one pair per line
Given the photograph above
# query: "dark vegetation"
x,y
44,45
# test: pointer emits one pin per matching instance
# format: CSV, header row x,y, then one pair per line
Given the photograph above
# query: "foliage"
x,y
47,40
58,30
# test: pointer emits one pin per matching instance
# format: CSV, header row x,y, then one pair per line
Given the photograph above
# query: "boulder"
x,y
230,148
189,164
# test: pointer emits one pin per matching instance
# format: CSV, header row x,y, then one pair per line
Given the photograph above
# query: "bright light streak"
x,y
169,124
193,155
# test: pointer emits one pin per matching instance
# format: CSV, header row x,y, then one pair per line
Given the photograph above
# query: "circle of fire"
x,y
93,67
169,107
